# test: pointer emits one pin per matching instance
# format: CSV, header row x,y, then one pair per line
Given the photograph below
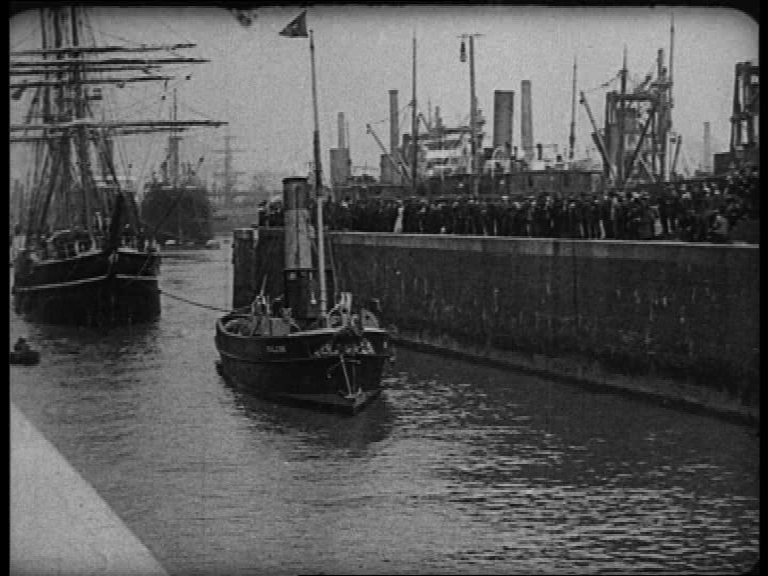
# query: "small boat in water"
x,y
23,354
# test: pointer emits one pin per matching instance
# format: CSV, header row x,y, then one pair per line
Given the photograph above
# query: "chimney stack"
x,y
526,122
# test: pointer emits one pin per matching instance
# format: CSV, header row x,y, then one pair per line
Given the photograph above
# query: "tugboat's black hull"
x,y
305,383
90,289
288,369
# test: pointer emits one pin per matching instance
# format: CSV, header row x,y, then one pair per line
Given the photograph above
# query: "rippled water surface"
x,y
456,469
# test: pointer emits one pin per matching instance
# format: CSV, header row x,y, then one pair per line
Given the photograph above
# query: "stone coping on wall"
x,y
680,252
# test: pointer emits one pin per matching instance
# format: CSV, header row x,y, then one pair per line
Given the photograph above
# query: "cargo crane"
x,y
426,124
638,127
598,139
398,164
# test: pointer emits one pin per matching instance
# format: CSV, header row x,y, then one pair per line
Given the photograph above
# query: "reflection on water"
x,y
317,433
455,469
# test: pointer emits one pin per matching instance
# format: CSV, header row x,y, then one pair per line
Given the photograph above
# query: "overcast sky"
x,y
259,81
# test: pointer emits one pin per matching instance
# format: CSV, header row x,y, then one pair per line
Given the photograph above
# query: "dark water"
x,y
457,469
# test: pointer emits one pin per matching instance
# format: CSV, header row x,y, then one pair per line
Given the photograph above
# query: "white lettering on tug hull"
x,y
276,349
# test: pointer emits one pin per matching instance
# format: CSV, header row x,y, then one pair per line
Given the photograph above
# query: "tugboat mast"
x,y
318,188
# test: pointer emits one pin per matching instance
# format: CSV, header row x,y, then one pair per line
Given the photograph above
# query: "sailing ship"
x,y
86,258
232,207
291,348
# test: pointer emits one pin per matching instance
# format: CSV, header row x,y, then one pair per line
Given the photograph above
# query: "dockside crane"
x,y
640,141
598,138
398,165
426,124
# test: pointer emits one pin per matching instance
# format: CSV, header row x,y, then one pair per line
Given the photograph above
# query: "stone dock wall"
x,y
667,319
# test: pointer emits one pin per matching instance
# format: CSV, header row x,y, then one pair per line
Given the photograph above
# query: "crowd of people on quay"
x,y
700,211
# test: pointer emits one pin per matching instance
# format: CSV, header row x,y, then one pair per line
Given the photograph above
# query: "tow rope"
x,y
193,303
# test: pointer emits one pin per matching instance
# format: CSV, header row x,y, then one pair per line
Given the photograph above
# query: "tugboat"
x,y
86,259
291,348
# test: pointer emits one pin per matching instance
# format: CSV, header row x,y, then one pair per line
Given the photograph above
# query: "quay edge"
x,y
670,321
58,523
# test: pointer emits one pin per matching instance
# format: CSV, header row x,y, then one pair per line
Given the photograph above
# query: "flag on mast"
x,y
297,28
245,16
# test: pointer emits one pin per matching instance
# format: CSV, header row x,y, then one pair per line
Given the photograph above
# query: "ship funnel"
x,y
526,121
342,131
296,213
503,114
706,165
299,281
394,122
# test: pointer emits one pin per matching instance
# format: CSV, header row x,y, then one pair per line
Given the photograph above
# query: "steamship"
x,y
177,210
444,162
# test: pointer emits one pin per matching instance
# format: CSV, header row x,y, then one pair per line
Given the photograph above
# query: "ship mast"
x,y
65,132
671,63
473,117
229,175
82,152
318,187
622,122
414,128
173,142
474,164
572,137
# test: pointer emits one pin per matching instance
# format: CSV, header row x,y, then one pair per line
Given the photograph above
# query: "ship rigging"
x,y
86,257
